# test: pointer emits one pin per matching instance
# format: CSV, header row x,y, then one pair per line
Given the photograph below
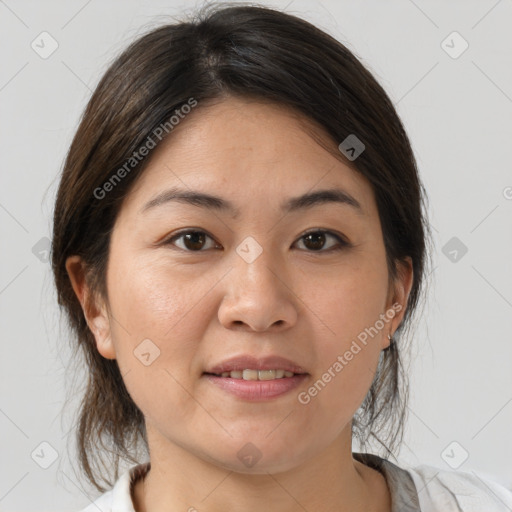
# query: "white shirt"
x,y
420,489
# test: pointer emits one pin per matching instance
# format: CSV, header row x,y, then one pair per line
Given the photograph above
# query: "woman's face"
x,y
250,282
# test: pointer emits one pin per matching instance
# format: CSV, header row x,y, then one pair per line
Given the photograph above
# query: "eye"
x,y
315,240
194,241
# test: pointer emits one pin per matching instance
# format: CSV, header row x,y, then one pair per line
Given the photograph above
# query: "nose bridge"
x,y
257,294
256,266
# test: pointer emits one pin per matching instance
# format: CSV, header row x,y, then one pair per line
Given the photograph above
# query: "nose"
x,y
258,297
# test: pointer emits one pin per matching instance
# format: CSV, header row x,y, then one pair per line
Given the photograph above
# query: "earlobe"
x,y
102,334
397,304
94,309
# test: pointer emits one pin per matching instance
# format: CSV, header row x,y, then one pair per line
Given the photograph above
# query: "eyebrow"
x,y
204,200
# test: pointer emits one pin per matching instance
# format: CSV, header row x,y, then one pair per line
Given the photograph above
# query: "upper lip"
x,y
248,362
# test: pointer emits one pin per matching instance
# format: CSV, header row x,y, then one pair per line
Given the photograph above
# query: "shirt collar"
x,y
122,493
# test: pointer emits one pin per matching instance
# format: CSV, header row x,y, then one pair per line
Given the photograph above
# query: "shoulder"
x,y
101,504
458,491
431,489
119,498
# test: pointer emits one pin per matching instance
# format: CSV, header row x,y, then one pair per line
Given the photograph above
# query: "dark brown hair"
x,y
221,51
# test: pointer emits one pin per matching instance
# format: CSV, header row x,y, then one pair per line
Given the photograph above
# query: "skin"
x,y
202,307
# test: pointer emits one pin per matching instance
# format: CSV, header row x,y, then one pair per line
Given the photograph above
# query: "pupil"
x,y
318,240
192,242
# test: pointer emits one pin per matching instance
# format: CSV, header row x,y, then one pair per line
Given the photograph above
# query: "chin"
x,y
258,457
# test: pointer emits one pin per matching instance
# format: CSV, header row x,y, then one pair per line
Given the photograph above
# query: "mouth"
x,y
252,367
251,378
250,374
247,386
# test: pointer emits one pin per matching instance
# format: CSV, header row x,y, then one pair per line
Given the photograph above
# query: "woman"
x,y
240,244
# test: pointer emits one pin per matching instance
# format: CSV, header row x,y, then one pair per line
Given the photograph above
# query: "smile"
x,y
255,374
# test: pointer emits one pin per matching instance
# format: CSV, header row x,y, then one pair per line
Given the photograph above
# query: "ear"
x,y
95,310
398,296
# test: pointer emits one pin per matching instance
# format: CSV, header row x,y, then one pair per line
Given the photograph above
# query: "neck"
x,y
330,481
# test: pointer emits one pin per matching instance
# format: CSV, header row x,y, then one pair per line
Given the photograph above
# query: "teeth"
x,y
257,374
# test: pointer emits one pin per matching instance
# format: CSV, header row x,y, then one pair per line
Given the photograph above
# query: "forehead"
x,y
247,151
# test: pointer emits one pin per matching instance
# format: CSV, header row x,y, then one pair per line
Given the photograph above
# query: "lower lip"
x,y
257,390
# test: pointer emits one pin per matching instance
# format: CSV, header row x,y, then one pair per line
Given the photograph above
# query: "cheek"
x,y
349,302
159,320
159,323
347,358
336,394
348,309
156,299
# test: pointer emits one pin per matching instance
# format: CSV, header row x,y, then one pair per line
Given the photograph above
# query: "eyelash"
x,y
342,244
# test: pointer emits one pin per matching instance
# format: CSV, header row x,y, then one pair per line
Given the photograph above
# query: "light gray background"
x,y
458,113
